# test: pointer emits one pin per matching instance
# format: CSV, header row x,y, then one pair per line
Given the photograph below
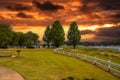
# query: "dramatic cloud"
x,y
100,9
104,34
84,32
108,31
23,15
47,6
1,17
98,5
117,15
18,7
92,16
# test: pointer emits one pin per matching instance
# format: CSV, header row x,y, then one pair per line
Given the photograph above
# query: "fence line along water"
x,y
109,66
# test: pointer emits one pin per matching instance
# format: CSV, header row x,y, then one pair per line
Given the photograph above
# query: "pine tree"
x,y
74,34
57,34
47,36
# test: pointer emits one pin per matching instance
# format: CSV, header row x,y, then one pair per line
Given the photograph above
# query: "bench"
x,y
5,53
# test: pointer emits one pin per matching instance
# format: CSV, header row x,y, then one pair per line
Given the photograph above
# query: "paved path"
x,y
8,74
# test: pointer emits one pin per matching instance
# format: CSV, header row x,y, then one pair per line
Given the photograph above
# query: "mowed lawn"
x,y
43,64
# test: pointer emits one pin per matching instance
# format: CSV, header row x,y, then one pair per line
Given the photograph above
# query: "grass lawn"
x,y
43,64
106,54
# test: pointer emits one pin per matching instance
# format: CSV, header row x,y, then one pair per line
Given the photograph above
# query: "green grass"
x,y
43,64
106,54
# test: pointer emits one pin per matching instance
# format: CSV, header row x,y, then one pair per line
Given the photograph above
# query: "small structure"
x,y
5,53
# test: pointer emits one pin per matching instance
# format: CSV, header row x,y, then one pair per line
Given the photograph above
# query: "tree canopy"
x,y
47,36
74,34
10,38
57,34
54,35
6,35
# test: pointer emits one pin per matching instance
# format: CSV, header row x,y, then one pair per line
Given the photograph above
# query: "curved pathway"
x,y
8,74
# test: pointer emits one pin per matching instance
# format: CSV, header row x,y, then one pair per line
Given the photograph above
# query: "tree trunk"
x,y
18,53
74,46
48,45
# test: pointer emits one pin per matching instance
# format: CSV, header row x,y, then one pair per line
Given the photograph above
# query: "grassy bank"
x,y
106,54
43,64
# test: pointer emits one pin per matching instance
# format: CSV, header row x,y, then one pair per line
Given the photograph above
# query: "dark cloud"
x,y
109,4
23,15
84,32
98,5
47,6
117,15
107,34
109,31
19,7
91,7
104,34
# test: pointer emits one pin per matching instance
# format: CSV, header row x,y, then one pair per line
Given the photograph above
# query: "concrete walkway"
x,y
8,74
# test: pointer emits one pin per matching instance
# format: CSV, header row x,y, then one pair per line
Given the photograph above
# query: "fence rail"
x,y
109,66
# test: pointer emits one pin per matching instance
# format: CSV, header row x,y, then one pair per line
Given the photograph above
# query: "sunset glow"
x,y
91,16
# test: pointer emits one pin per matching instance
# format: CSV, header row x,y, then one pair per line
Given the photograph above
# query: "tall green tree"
x,y
47,36
6,35
74,34
57,34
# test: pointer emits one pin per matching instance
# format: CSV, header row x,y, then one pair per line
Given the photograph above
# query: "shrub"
x,y
30,47
4,46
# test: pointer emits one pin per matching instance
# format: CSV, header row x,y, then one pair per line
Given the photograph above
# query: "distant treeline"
x,y
10,38
54,35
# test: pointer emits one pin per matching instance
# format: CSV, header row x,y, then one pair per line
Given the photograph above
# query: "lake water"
x,y
111,47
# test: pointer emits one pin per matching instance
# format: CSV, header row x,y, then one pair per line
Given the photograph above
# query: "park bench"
x,y
5,53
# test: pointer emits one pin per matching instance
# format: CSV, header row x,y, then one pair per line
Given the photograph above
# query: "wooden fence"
x,y
109,66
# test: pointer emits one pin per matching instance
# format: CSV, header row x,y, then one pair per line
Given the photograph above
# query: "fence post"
x,y
109,66
95,60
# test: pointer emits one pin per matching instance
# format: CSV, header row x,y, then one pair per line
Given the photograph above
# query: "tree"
x,y
31,38
57,34
15,39
74,34
47,36
21,39
6,35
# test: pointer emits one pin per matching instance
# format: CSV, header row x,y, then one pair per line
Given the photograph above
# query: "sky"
x,y
98,20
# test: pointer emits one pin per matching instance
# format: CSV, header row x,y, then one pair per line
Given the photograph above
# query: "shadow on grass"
x,y
69,78
72,78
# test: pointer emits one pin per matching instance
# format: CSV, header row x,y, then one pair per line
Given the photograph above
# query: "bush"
x,y
4,46
44,45
30,47
88,79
